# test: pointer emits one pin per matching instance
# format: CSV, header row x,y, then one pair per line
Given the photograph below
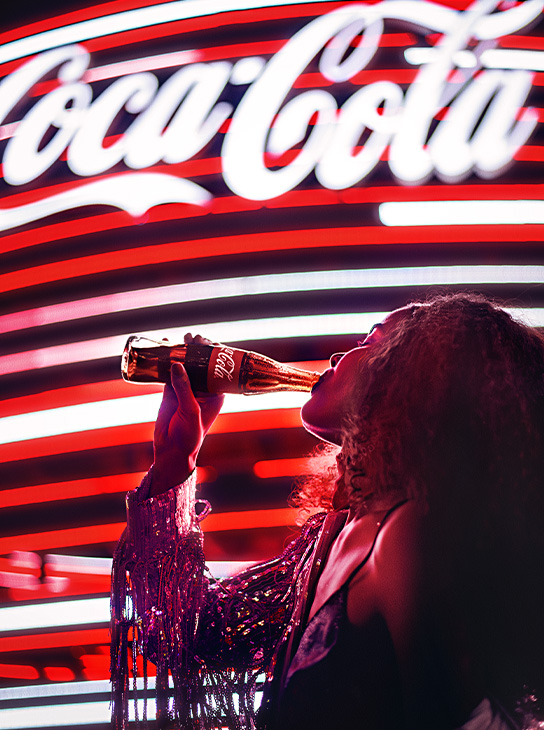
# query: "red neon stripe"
x,y
281,467
93,534
268,241
83,585
18,671
69,490
55,539
400,76
530,154
58,639
250,519
79,488
179,27
88,393
522,42
142,433
232,204
59,674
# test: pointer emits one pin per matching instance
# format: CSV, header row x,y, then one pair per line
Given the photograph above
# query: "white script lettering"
x,y
483,128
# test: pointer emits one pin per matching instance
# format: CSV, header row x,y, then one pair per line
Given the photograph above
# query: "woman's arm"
x,y
212,637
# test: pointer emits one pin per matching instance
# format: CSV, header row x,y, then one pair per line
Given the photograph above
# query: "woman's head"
x,y
446,405
444,391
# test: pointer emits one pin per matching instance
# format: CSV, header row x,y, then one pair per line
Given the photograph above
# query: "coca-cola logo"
x,y
486,123
225,364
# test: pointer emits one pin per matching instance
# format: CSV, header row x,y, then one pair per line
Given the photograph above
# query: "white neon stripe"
x,y
84,713
85,611
237,331
271,284
513,59
501,58
131,20
8,130
462,212
79,564
419,56
122,412
55,613
137,65
61,689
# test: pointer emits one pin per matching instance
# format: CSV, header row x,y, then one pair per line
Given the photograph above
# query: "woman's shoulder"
x,y
392,574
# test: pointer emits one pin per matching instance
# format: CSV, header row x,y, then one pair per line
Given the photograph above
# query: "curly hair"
x,y
449,410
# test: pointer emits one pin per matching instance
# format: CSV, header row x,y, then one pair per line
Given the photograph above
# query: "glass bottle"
x,y
211,368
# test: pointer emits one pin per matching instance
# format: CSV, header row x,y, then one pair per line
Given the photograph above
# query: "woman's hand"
x,y
184,420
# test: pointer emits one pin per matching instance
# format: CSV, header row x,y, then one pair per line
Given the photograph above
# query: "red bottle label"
x,y
224,370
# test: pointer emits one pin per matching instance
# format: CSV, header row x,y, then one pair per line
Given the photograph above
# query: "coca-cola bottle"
x,y
213,368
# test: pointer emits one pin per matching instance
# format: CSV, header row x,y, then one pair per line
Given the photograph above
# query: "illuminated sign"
x,y
483,127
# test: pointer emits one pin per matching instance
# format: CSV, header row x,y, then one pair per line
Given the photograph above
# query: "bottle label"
x,y
224,370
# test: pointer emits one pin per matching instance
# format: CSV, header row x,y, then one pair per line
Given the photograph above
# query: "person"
x,y
412,598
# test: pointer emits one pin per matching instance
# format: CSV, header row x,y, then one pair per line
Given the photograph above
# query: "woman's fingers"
x,y
188,339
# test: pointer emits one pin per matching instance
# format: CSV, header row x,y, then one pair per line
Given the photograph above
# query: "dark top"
x,y
342,676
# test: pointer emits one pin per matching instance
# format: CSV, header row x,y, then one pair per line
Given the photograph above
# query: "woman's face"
x,y
324,413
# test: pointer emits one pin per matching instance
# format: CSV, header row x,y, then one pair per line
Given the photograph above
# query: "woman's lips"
x,y
321,379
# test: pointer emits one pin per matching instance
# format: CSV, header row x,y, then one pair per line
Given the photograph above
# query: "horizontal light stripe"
x,y
131,20
95,534
491,58
296,198
257,242
122,412
54,640
462,213
237,331
57,613
64,689
271,284
87,713
139,433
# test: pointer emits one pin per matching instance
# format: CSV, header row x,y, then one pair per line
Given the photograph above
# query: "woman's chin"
x,y
325,433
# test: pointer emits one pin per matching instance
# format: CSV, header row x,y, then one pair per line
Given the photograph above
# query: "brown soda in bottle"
x,y
211,368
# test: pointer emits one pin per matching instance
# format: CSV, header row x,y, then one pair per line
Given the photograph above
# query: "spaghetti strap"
x,y
374,541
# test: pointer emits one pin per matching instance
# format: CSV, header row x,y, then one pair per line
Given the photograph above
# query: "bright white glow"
x,y
8,130
462,212
134,192
513,59
56,613
419,56
411,276
61,689
138,65
130,20
88,713
121,412
501,58
236,331
79,564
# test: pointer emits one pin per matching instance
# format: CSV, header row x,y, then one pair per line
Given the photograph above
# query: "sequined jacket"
x,y
217,639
